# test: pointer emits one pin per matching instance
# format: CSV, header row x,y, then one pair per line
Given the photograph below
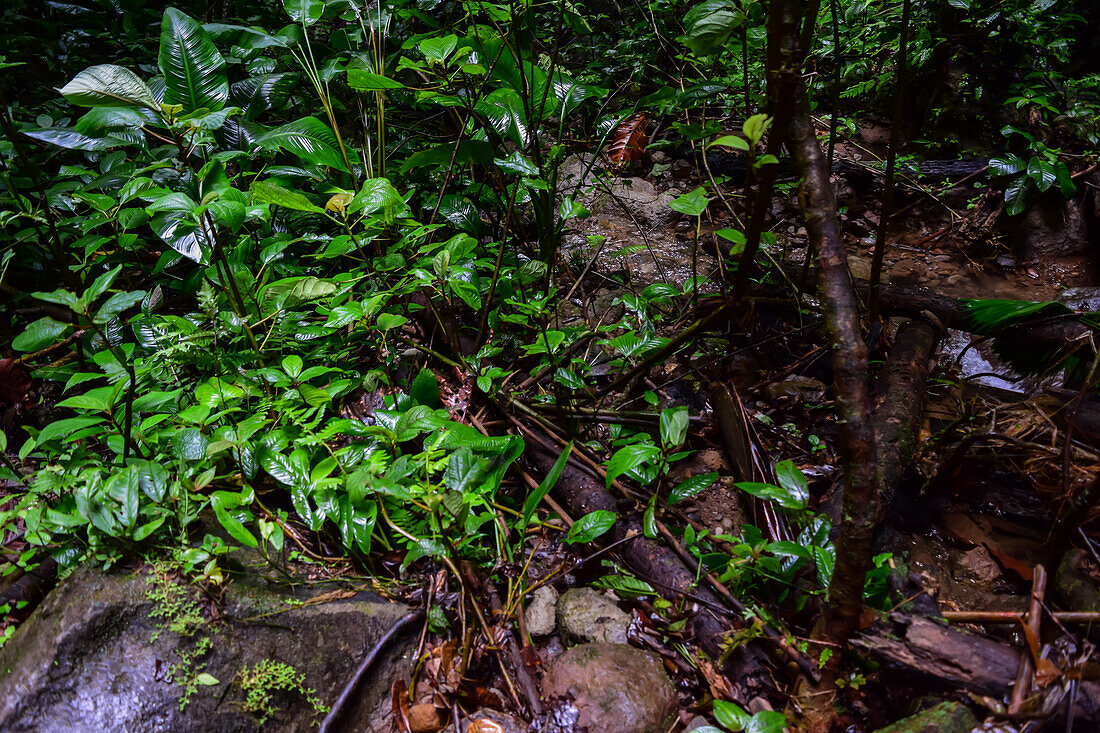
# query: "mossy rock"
x,y
96,657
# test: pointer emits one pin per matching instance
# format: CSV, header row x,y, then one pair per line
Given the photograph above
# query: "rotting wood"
x,y
953,656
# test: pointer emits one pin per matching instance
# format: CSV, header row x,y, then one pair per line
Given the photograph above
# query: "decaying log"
x,y
914,302
933,649
899,401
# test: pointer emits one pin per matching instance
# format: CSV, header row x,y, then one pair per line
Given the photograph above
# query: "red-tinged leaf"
x,y
400,706
14,381
629,140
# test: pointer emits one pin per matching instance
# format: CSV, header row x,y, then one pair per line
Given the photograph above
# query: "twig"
x,y
328,726
1026,672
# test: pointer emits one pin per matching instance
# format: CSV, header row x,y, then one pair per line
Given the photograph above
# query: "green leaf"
x,y
377,194
306,12
531,504
223,501
692,203
123,487
1042,172
108,86
113,307
730,141
469,152
991,316
773,493
464,470
692,486
100,399
649,518
310,139
674,425
206,679
732,716
100,284
425,389
39,334
436,50
793,481
266,192
72,140
626,586
60,428
193,70
755,127
314,396
709,24
590,526
629,458
790,549
1008,165
1016,196
365,81
504,112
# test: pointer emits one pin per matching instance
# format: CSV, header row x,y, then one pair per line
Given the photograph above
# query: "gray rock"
x,y
93,657
947,717
637,200
540,611
1054,230
612,688
585,615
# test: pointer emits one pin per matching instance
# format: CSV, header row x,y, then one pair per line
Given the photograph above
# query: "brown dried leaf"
x,y
629,140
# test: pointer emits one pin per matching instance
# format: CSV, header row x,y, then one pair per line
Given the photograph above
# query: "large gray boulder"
x,y
96,657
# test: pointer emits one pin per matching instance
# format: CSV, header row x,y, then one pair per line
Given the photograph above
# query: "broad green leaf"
x,y
216,391
100,284
469,152
436,50
39,334
99,120
377,194
205,678
108,86
629,458
626,586
223,501
182,233
674,425
366,81
266,192
692,203
113,307
306,12
732,716
1016,195
793,481
531,504
464,469
314,396
194,72
730,141
503,110
774,493
100,399
1007,165
991,316
790,549
709,24
755,127
73,140
1042,172
123,487
692,486
590,526
425,389
60,428
310,139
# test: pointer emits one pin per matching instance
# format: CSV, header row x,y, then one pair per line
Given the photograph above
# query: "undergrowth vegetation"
x,y
273,264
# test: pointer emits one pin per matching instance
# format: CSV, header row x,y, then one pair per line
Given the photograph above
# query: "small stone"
x,y
800,232
424,718
614,688
681,169
697,722
585,615
978,566
539,614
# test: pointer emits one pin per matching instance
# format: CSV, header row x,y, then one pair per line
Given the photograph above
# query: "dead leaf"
x,y
629,140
